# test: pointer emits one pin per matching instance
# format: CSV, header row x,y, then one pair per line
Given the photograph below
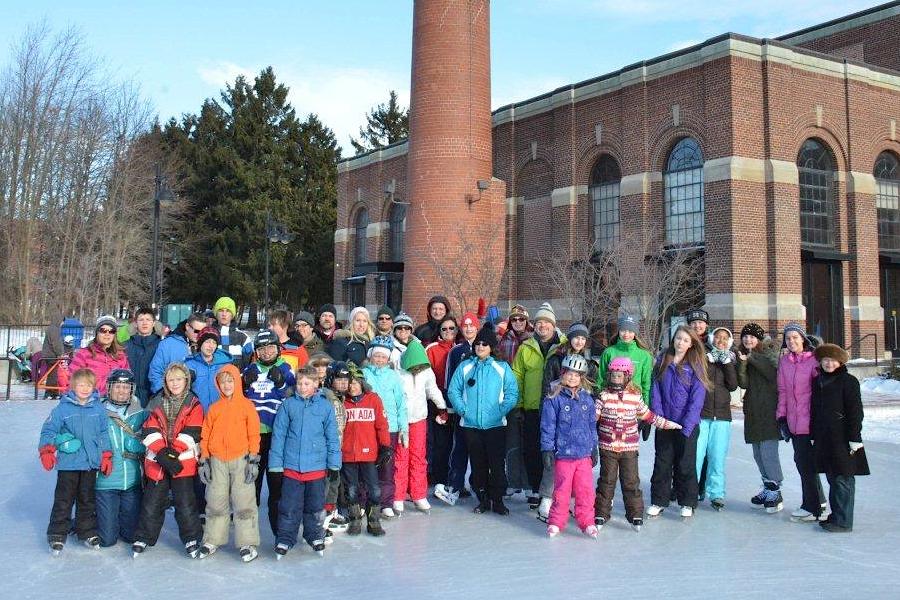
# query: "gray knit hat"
x,y
577,329
546,313
403,319
628,323
107,320
306,317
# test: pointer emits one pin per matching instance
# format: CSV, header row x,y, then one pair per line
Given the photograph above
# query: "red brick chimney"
x,y
449,165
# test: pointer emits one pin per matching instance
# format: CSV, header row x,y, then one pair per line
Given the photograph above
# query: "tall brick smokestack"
x,y
449,154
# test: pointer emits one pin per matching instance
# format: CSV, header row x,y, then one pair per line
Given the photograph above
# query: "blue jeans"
x,y
459,456
117,514
301,502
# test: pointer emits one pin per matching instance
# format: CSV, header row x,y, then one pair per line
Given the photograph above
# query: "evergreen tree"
x,y
385,125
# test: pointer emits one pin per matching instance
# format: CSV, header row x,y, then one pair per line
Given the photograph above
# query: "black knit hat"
x,y
486,334
697,314
754,329
327,308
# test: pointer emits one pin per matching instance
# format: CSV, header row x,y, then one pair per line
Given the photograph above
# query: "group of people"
x,y
345,424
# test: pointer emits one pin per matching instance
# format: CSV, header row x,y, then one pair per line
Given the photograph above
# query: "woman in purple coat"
x,y
680,382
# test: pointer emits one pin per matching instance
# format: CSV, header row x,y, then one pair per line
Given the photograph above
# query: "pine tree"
x,y
385,125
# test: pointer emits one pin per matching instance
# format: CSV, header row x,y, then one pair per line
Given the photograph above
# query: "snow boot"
x,y
355,527
774,502
248,553
373,522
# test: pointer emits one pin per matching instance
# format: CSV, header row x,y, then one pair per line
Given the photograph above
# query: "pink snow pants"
x,y
410,465
573,475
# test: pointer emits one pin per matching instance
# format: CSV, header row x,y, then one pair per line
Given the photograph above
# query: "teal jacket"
x,y
640,358
387,384
493,392
127,448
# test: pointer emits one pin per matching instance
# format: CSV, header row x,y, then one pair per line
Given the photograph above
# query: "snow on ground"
x,y
737,553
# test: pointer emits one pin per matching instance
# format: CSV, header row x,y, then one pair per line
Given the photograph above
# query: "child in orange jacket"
x,y
229,465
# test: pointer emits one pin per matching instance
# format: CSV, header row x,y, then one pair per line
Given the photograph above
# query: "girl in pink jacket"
x,y
796,370
103,355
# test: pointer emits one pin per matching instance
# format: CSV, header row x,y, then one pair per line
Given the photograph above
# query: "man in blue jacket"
x,y
176,347
140,348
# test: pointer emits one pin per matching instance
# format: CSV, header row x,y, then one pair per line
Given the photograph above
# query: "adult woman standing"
x,y
103,355
796,371
358,334
440,436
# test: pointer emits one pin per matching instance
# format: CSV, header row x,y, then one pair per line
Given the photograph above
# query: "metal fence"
x,y
15,335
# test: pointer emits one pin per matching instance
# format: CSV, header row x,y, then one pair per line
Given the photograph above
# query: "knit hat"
x,y
356,374
385,310
469,318
208,333
696,314
798,328
546,313
488,335
832,351
381,344
226,303
414,356
578,329
327,308
356,311
518,311
403,319
754,329
306,317
319,359
627,323
107,320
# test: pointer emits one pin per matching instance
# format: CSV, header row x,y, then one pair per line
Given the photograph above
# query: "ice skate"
x,y
446,494
484,505
654,511
759,500
56,548
773,502
718,504
93,542
281,549
388,513
138,548
599,522
801,515
533,501
398,508
422,505
248,553
206,550
544,509
192,548
336,522
318,547
637,523
329,537
592,531
499,508
552,531
686,512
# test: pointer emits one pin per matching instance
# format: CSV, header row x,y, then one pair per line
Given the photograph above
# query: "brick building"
x,y
776,159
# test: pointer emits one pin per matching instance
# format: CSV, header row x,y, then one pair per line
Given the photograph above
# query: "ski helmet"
x,y
574,362
266,337
120,376
622,364
337,370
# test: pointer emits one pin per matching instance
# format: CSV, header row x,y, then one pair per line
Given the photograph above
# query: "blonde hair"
x,y
83,374
309,372
585,384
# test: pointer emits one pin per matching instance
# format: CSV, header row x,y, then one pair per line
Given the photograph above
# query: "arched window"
x,y
816,170
360,241
398,231
684,194
605,196
887,201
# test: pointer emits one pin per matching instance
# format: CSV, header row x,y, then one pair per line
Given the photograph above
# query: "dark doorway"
x,y
890,301
823,296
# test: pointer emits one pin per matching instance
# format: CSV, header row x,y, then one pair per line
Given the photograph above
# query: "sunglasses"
x,y
385,319
448,328
403,327
106,330
517,319
480,343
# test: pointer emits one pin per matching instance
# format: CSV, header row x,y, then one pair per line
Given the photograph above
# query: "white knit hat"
x,y
546,313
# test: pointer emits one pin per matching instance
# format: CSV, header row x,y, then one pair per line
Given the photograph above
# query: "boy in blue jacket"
x,y
119,494
305,449
77,430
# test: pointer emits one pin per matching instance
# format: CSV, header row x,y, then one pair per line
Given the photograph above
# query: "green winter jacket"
x,y
640,358
528,367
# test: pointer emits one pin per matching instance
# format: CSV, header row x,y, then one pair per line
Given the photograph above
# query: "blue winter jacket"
x,y
266,398
87,422
173,348
204,385
127,448
678,397
493,393
140,350
387,384
569,424
305,436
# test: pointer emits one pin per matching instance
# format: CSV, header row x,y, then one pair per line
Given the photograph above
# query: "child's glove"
x,y
251,470
168,460
48,456
784,430
106,464
204,472
442,417
403,437
248,377
595,456
385,454
548,459
644,428
276,376
334,475
854,446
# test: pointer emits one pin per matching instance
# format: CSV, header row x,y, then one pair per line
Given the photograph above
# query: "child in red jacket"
x,y
366,445
171,435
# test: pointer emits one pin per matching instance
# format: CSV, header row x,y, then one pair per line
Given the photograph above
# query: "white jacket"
x,y
419,389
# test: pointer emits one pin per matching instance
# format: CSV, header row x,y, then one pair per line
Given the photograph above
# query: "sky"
x,y
340,58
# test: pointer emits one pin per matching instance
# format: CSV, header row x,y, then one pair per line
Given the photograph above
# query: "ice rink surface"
x,y
453,553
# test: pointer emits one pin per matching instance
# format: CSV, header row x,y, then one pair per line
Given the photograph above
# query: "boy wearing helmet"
x,y
119,493
619,408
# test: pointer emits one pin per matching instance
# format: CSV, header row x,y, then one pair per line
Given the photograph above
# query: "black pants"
x,y
73,487
810,483
440,440
366,473
487,454
676,460
531,449
273,481
153,510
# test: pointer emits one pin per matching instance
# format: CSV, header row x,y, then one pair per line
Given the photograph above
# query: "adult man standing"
x,y
518,330
140,348
335,347
528,367
175,347
305,333
233,340
438,308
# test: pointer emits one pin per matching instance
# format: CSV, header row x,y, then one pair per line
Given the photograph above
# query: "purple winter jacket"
x,y
569,424
795,376
678,397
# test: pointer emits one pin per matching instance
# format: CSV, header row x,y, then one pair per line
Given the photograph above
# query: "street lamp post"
x,y
161,194
276,233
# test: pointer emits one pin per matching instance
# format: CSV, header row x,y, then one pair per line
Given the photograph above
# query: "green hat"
x,y
226,303
414,355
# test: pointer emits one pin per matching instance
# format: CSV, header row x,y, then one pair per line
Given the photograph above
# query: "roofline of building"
x,y
857,19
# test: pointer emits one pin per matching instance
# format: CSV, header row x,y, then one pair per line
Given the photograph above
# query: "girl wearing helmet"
x,y
569,438
619,409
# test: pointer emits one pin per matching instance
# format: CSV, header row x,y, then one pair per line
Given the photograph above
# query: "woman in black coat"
x,y
835,428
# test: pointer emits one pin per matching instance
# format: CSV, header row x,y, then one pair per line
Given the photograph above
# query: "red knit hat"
x,y
470,318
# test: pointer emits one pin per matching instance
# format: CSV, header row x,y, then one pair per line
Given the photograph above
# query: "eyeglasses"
x,y
385,318
448,328
403,327
481,343
106,330
517,319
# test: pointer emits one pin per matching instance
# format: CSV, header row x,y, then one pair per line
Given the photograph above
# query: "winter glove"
x,y
276,376
403,437
48,456
442,417
644,428
595,456
854,446
204,472
106,464
251,470
548,459
334,475
168,460
784,430
249,377
385,454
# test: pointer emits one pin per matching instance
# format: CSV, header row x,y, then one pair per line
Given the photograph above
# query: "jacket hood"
x,y
726,330
236,375
414,355
442,299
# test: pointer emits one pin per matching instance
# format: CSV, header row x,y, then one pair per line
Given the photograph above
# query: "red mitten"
x,y
441,418
48,456
106,464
